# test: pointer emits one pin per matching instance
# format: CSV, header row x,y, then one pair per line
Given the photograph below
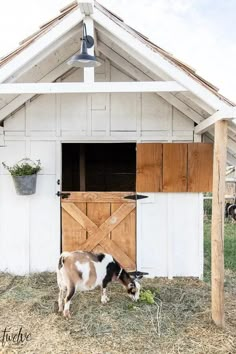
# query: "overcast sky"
x,y
200,32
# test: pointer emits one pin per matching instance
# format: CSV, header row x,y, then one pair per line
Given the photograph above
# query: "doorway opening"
x,y
99,167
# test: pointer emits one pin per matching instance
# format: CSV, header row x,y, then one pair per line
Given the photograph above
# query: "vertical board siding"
x,y
200,167
152,228
173,248
149,168
175,167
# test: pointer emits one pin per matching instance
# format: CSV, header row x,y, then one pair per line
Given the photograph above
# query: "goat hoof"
x,y
67,314
104,300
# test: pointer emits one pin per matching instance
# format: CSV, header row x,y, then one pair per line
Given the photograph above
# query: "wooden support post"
x,y
217,227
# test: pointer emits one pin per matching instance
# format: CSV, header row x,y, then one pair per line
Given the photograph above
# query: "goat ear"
x,y
137,274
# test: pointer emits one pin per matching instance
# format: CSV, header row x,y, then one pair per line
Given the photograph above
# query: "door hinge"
x,y
136,196
63,195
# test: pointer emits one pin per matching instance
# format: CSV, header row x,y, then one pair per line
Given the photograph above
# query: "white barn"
x,y
137,124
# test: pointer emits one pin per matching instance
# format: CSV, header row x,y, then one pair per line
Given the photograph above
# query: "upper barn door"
x,y
97,212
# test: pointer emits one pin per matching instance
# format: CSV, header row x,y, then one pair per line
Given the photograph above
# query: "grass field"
x,y
229,246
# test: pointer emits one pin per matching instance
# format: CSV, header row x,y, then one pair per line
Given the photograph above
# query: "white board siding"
x,y
14,229
170,234
152,245
73,112
44,246
12,152
181,121
156,113
16,122
44,151
90,114
45,108
29,225
123,119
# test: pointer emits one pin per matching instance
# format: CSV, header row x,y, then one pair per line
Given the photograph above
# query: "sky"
x,y
201,33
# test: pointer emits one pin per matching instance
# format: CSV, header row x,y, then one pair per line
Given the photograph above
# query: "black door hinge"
x,y
63,195
136,196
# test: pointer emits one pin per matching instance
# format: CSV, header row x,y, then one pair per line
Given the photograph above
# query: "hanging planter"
x,y
24,174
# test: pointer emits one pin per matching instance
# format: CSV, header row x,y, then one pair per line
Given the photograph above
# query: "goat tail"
x,y
62,259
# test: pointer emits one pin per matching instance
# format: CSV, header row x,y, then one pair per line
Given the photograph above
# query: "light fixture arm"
x,y
88,39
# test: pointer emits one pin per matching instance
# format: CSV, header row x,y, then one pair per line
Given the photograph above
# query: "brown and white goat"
x,y
84,271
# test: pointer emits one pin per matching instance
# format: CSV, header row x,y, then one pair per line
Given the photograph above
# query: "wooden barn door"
x,y
100,222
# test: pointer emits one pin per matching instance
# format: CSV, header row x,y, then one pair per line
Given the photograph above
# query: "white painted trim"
x,y
139,75
96,87
169,239
103,138
52,49
42,43
153,60
21,99
2,141
86,7
229,113
201,236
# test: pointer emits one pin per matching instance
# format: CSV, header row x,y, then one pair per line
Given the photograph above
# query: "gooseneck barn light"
x,y
84,60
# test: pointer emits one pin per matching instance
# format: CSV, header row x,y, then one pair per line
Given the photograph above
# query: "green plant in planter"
x,y
24,174
24,167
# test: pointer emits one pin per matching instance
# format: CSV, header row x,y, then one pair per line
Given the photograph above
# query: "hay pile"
x,y
178,322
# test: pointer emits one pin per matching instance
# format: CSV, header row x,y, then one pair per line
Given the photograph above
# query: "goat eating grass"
x,y
80,270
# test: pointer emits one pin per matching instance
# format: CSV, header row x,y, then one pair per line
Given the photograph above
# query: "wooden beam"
x,y
21,99
86,7
96,87
217,228
206,124
54,48
41,44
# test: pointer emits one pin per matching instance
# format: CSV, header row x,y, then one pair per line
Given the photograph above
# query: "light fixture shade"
x,y
84,60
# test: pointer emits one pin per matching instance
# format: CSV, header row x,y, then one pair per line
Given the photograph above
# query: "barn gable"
x,y
42,58
41,125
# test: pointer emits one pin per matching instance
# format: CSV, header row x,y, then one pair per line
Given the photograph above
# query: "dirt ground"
x,y
178,322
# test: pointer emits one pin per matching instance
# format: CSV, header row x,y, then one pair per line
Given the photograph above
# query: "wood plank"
x,y
217,227
200,167
73,234
108,226
98,197
175,167
80,217
124,235
149,167
95,87
111,247
98,213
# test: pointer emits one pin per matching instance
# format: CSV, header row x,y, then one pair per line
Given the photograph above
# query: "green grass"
x,y
229,248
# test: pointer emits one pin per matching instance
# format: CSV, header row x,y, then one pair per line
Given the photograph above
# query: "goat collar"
x,y
118,276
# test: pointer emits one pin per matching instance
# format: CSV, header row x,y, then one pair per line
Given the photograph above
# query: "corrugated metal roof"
x,y
168,56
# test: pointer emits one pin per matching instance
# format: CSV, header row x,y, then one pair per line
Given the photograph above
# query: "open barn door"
x,y
98,208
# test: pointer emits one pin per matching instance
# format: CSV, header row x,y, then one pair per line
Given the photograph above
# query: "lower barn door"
x,y
101,222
